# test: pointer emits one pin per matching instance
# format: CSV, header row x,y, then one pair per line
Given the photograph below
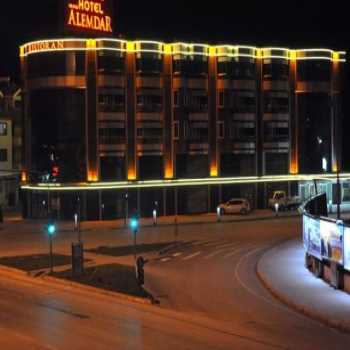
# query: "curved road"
x,y
215,277
209,293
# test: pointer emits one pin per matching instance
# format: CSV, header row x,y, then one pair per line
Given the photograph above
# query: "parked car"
x,y
235,206
284,202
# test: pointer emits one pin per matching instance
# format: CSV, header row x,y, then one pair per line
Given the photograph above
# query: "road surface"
x,y
209,293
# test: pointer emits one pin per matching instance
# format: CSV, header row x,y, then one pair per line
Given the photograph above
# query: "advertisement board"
x,y
90,16
346,237
332,241
312,237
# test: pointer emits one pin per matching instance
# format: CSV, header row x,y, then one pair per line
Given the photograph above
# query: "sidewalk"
x,y
282,271
256,215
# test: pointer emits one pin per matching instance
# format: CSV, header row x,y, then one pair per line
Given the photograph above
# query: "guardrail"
x,y
327,244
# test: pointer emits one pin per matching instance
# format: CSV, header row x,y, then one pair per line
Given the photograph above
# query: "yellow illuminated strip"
x,y
180,48
179,183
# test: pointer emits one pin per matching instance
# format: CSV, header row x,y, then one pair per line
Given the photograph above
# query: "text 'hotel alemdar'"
x,y
89,16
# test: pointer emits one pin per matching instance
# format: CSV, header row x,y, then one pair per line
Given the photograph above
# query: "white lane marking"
x,y
215,253
177,254
191,256
165,259
235,251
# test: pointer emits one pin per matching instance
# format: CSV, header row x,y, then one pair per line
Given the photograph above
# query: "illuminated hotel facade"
x,y
184,125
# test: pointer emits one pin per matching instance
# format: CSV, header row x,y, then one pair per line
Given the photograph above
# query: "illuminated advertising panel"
x,y
92,16
332,241
346,238
312,237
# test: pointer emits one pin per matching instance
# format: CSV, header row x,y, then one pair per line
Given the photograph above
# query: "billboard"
x,y
346,248
332,240
312,237
90,16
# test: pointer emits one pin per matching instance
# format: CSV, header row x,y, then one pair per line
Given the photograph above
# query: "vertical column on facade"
x,y
26,122
293,118
213,116
131,156
334,96
168,115
91,113
259,114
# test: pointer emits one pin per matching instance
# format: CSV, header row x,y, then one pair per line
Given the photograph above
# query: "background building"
x,y
10,142
104,110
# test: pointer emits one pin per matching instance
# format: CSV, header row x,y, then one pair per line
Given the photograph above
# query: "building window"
x,y
221,130
111,103
176,130
3,155
221,98
3,129
176,98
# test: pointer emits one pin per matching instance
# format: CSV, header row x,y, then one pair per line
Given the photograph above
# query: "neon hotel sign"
x,y
89,15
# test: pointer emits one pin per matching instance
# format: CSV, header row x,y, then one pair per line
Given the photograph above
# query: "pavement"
x,y
282,271
258,214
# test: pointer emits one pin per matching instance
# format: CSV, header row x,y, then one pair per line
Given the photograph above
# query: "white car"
x,y
235,206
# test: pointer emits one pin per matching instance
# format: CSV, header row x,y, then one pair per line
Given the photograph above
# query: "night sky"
x,y
288,23
299,23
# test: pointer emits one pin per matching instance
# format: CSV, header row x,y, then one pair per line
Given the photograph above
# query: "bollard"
x,y
218,213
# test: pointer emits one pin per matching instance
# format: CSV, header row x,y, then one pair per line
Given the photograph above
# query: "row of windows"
x,y
240,103
74,63
199,130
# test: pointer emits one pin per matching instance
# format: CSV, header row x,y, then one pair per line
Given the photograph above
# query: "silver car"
x,y
235,206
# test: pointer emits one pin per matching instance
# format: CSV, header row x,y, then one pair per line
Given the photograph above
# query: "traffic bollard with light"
x,y
51,230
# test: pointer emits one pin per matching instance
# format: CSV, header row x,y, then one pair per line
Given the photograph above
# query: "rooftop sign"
x,y
89,16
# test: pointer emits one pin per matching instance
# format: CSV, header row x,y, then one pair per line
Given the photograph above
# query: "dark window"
x,y
221,129
276,163
176,98
197,131
176,130
3,155
236,69
44,65
150,133
110,62
275,131
276,104
221,98
111,103
276,71
243,104
149,103
149,64
198,103
111,135
80,63
197,66
242,131
314,71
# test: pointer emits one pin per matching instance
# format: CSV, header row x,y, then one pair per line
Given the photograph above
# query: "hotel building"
x,y
180,126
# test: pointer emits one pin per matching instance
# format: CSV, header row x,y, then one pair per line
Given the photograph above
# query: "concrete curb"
x,y
23,276
302,309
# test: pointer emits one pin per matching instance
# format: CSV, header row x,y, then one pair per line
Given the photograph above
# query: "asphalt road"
x,y
215,277
209,293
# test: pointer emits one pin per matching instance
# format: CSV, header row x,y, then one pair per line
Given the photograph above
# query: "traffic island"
x,y
110,277
37,262
130,250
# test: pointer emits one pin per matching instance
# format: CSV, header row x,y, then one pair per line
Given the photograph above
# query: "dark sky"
x,y
270,22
